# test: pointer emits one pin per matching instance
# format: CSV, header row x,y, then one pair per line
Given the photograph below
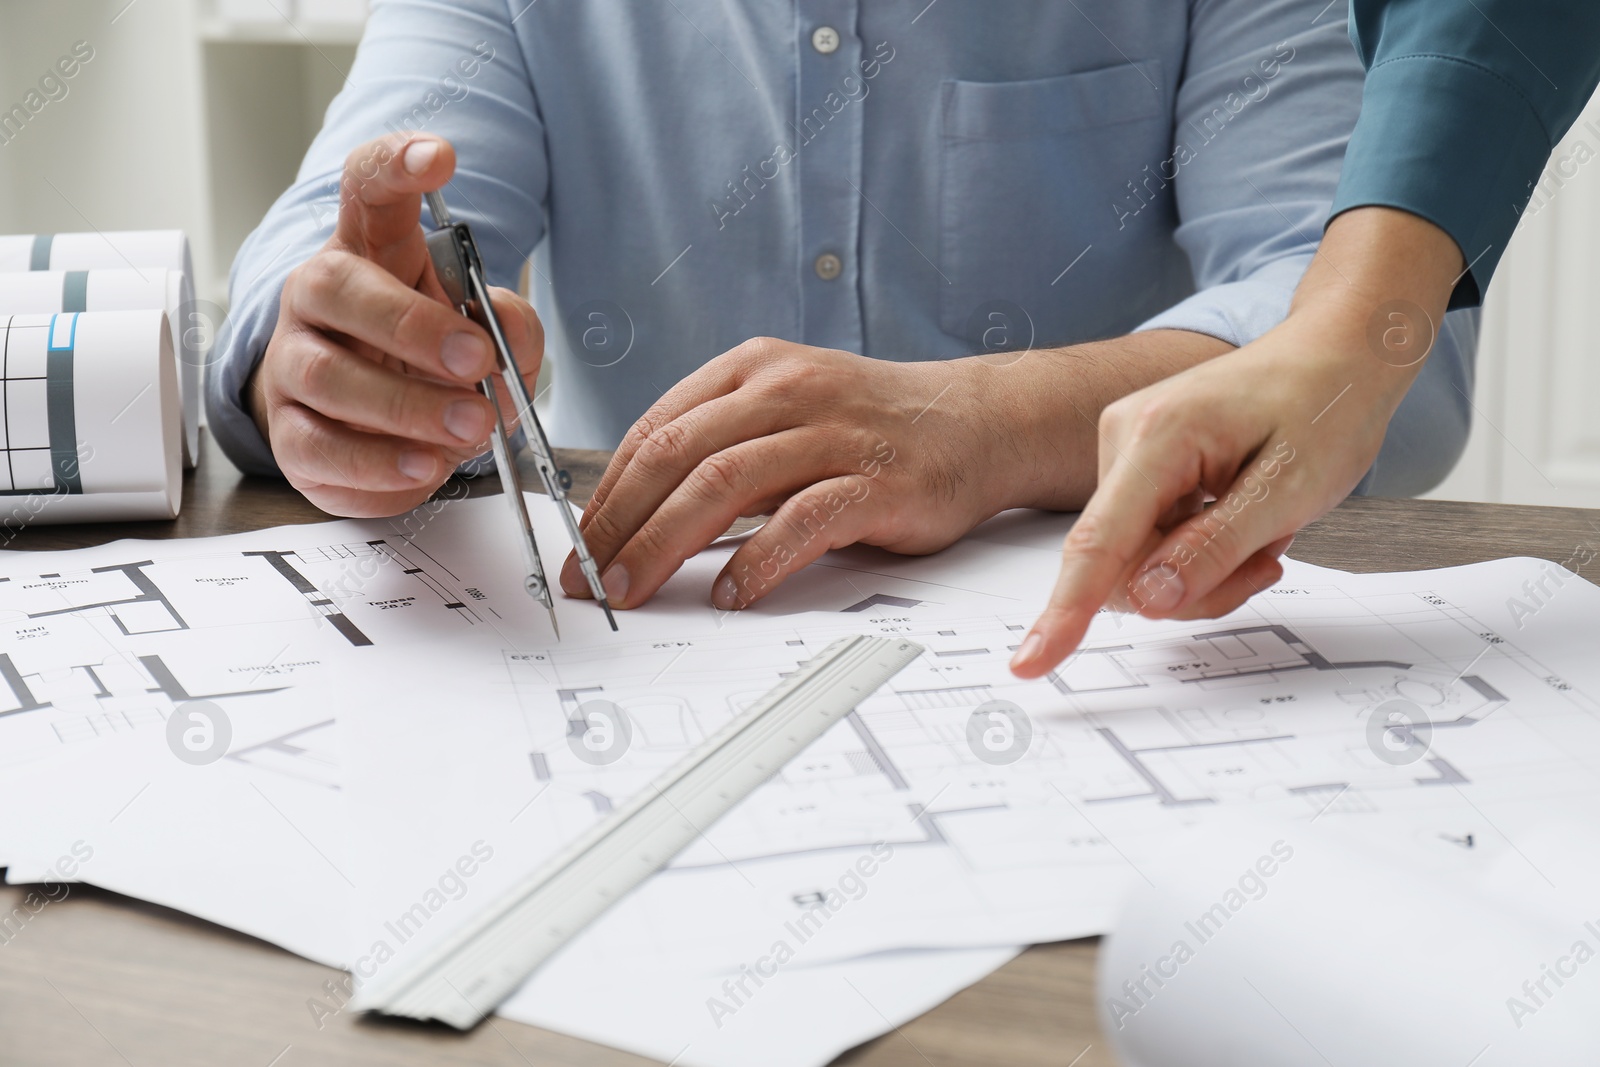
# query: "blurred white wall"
x,y
119,150
7,179
1536,431
188,116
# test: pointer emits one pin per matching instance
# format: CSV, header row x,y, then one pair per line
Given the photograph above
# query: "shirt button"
x,y
825,39
828,266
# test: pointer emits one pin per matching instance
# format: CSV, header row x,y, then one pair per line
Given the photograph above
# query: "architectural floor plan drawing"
x,y
1411,703
846,792
398,704
1213,657
1195,743
103,650
1254,709
98,643
307,754
435,584
1298,699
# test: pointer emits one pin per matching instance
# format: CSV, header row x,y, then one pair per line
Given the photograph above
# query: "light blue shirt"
x,y
903,180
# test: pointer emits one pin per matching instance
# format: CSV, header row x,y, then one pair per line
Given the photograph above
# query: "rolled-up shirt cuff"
x,y
1237,312
1452,142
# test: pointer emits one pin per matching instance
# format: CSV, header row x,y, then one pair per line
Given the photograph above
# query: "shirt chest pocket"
x,y
1031,174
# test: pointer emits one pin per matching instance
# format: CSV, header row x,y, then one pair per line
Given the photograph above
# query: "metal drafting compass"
x,y
460,270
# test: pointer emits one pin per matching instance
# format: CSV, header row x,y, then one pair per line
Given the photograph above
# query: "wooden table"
x,y
102,979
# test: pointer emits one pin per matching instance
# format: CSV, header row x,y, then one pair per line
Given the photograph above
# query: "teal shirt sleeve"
x,y
1463,104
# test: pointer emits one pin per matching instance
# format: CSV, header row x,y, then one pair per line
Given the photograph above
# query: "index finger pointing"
x,y
1117,527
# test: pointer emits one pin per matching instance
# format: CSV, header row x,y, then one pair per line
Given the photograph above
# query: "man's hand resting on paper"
x,y
841,449
367,391
1274,435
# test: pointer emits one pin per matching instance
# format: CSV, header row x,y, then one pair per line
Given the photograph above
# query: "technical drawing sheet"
x,y
100,646
254,840
258,844
96,643
397,707
103,644
1439,710
279,629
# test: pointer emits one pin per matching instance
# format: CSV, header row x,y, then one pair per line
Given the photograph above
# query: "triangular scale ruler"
x,y
465,977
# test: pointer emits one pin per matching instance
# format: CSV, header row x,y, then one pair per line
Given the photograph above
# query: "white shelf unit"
x,y
264,104
291,21
266,81
184,119
311,34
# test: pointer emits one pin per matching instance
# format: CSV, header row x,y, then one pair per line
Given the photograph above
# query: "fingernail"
x,y
464,355
725,596
419,156
615,583
466,421
1030,648
572,578
1156,590
417,465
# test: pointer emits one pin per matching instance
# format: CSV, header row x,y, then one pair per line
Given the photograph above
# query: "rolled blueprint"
x,y
140,251
1298,946
126,289
93,418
